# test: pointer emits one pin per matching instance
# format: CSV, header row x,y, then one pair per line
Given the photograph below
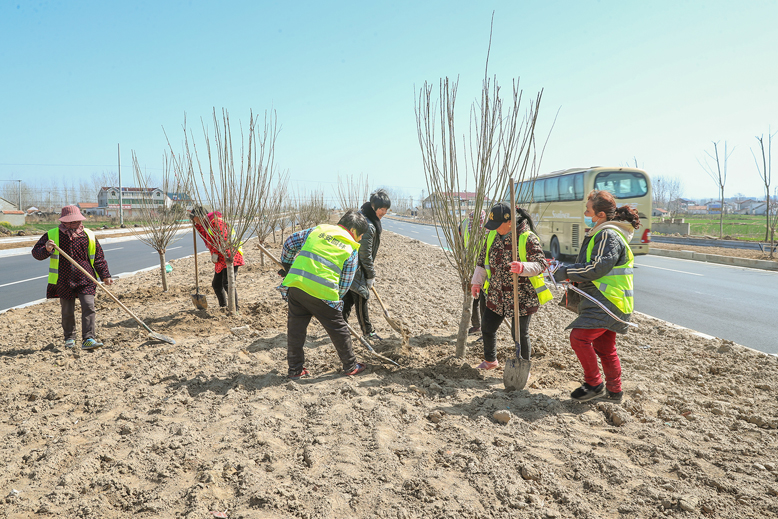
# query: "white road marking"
x,y
166,250
23,281
672,270
109,250
415,232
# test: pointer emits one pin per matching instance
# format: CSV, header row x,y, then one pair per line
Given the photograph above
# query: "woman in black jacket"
x,y
357,297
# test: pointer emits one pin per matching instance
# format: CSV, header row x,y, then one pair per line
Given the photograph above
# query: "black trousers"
x,y
479,307
491,322
353,299
302,307
220,285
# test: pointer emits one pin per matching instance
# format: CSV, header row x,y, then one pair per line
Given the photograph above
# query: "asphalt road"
x,y
23,279
732,303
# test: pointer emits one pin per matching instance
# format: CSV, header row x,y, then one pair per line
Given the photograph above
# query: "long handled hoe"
x,y
152,333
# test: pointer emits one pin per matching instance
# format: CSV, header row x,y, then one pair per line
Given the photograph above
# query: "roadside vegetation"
x,y
735,226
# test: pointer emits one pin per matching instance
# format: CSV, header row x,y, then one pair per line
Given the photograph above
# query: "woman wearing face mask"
x,y
603,270
493,274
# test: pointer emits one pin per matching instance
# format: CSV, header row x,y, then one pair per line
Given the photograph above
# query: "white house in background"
x,y
696,209
11,214
658,211
759,208
133,200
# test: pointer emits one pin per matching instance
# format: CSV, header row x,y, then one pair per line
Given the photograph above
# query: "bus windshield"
x,y
622,184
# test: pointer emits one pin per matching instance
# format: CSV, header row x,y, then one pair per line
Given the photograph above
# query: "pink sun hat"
x,y
71,213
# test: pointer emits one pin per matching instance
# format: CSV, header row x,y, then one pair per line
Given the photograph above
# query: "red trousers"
x,y
589,344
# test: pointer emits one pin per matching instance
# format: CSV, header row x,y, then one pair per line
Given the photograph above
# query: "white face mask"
x,y
589,222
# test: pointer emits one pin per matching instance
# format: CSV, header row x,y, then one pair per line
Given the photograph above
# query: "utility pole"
x,y
121,202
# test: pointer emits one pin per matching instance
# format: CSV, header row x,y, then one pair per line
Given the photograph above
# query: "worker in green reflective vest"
x,y
66,282
319,266
493,275
603,270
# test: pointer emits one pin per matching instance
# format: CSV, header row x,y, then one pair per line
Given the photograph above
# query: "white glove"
x,y
369,283
215,257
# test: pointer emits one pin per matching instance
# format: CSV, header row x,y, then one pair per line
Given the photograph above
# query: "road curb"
x,y
715,258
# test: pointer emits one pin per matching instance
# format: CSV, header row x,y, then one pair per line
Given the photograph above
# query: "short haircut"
x,y
354,220
379,199
199,212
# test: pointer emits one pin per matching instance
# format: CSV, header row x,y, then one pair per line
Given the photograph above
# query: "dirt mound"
x,y
147,429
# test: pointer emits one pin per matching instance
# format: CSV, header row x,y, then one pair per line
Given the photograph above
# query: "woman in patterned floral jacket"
x,y
499,294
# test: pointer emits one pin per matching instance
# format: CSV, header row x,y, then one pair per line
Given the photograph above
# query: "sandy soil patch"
x,y
147,429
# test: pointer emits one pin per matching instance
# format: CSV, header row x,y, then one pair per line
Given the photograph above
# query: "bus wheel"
x,y
555,249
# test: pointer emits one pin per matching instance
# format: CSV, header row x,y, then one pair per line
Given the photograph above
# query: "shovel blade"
x,y
160,337
199,301
515,374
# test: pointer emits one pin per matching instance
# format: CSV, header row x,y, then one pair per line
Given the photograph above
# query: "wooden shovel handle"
x,y
197,277
515,258
267,252
379,300
92,278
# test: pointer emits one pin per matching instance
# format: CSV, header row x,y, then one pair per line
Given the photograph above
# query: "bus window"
x,y
552,189
622,184
579,190
523,192
537,191
567,188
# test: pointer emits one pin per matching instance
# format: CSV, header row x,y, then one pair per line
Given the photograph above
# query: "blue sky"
x,y
655,81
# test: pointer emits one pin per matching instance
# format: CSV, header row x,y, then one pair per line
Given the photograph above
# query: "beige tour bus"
x,y
557,202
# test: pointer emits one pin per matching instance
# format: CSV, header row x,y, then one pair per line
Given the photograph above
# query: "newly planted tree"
x,y
501,145
717,171
233,179
765,170
352,191
161,212
270,211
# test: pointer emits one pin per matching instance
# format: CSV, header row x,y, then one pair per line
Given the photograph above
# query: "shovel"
x,y
361,339
152,333
516,371
398,325
198,299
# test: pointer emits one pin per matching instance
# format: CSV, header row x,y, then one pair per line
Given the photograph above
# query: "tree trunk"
x,y
464,323
767,218
772,243
721,216
231,306
162,269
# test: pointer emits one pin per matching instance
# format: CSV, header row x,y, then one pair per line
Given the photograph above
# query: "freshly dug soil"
x,y
210,427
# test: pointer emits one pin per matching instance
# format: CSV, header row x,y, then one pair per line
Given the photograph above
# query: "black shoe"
x,y
616,398
587,392
473,330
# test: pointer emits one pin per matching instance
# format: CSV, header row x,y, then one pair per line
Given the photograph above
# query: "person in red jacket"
x,y
208,225
66,282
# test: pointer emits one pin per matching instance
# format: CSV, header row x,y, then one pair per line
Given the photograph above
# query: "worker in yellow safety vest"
x,y
603,270
67,282
319,266
493,276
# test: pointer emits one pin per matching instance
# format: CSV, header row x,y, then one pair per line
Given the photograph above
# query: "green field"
x,y
737,226
39,227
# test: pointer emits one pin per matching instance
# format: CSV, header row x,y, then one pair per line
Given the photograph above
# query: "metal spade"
x,y
517,369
